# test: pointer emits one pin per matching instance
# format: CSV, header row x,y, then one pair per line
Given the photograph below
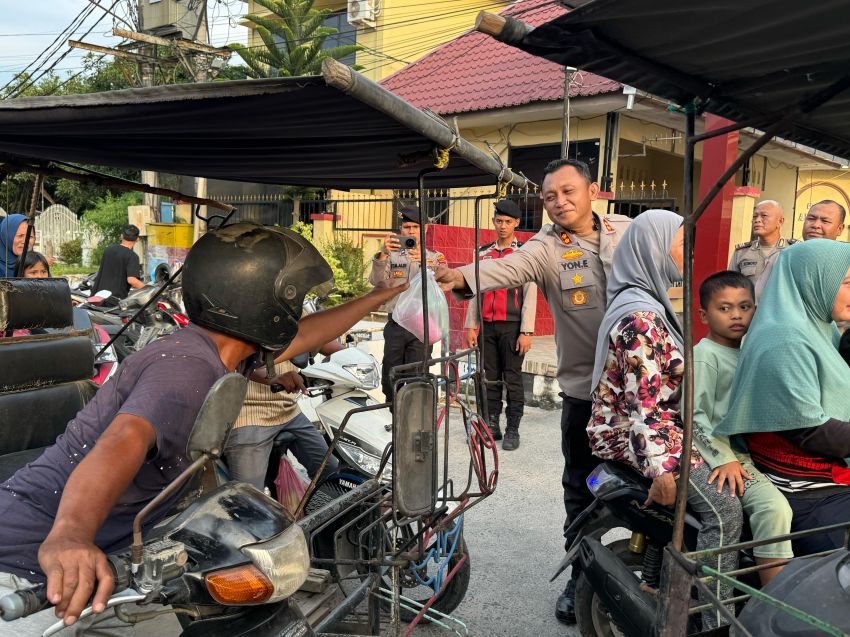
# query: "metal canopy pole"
x,y
690,223
423,267
353,83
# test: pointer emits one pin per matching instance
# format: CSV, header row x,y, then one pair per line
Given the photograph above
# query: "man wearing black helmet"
x,y
396,266
506,329
243,287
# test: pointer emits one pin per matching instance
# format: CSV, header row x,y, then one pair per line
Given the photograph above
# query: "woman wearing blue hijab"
x,y
791,388
13,230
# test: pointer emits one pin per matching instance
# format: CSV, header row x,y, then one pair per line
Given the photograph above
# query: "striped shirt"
x,y
264,408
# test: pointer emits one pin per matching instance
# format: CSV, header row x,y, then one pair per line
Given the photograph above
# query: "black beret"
x,y
508,208
410,213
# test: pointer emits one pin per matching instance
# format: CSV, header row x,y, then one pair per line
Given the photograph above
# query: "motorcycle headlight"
x,y
366,373
601,481
366,461
280,566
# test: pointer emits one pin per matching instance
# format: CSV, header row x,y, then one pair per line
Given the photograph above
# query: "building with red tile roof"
x,y
474,72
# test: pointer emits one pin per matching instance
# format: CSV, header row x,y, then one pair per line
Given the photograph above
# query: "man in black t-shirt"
x,y
119,267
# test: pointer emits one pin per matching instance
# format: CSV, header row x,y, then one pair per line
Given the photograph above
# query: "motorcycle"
x,y
616,593
160,318
227,564
336,386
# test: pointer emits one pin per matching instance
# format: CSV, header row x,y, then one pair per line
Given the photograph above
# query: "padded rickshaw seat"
x,y
27,304
44,375
37,360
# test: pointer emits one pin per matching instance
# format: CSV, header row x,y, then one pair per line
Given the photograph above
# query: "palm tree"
x,y
293,37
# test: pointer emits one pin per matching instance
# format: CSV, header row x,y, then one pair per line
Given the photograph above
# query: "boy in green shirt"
x,y
726,306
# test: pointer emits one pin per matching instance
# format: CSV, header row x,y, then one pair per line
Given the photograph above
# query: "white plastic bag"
x,y
408,310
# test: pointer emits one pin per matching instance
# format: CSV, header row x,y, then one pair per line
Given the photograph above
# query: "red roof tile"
x,y
475,72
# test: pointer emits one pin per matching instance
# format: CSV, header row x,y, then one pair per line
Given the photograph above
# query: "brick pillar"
x,y
713,228
743,204
323,228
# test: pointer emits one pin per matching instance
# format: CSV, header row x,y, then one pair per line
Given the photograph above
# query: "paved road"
x,y
515,539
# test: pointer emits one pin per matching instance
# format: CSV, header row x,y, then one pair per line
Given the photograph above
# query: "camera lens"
x,y
409,243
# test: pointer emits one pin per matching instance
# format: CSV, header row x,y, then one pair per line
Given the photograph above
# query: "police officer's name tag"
x,y
748,268
398,270
577,286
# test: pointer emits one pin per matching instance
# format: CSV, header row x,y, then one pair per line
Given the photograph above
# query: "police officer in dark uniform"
x,y
508,323
398,266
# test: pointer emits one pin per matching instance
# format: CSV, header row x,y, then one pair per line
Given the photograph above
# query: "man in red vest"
x,y
507,326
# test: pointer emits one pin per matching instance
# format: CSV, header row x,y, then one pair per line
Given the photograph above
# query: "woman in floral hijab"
x,y
638,377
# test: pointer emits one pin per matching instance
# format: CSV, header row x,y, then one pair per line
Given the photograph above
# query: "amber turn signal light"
x,y
239,585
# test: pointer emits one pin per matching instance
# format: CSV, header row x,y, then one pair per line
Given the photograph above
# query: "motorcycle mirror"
x,y
216,417
414,446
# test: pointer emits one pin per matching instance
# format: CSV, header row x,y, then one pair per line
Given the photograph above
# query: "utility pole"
x,y
149,177
201,75
191,51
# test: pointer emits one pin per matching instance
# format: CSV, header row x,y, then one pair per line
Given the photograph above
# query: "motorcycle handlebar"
x,y
31,600
23,602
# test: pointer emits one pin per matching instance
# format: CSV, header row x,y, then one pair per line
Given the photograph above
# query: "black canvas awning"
x,y
338,130
754,61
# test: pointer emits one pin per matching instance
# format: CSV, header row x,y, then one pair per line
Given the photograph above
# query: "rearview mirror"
x,y
415,447
217,415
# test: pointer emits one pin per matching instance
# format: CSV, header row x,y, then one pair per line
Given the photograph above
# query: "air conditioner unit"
x,y
361,13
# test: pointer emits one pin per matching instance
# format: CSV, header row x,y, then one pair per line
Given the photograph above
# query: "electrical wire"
x,y
76,22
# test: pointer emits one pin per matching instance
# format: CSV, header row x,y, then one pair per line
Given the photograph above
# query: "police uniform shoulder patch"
x,y
609,229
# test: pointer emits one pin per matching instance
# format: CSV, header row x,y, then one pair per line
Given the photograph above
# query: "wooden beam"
x,y
110,182
490,23
347,80
137,57
179,43
502,28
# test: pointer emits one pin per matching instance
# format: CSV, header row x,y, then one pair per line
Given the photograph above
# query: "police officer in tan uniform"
x,y
569,260
751,258
399,266
824,220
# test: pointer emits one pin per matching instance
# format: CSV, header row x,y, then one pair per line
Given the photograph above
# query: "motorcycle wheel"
x,y
452,593
591,617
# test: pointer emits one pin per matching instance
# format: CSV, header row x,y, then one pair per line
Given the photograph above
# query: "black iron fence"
x,y
362,213
366,212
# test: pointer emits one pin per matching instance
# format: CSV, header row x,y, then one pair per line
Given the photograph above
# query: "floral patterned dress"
x,y
635,417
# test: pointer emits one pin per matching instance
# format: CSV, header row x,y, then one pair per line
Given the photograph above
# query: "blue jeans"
x,y
247,450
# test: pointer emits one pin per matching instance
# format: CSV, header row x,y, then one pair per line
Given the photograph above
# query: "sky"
x,y
26,28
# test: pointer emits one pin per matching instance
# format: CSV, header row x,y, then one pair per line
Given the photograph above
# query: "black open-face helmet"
x,y
249,281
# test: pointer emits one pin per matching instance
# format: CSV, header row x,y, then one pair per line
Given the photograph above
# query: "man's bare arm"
x,y
74,566
317,329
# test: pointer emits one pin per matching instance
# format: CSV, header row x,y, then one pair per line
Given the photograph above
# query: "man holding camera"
x,y
398,264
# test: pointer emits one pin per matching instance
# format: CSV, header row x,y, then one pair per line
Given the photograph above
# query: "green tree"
x,y
293,37
71,252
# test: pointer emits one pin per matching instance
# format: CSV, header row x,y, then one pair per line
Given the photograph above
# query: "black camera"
x,y
405,243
